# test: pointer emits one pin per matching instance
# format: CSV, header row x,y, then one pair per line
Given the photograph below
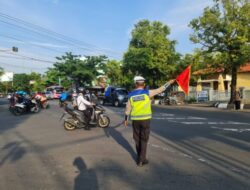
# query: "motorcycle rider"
x,y
63,97
83,105
41,98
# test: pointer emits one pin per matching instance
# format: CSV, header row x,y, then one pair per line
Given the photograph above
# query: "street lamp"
x,y
14,49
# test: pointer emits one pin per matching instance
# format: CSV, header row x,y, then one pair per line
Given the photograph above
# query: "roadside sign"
x,y
202,96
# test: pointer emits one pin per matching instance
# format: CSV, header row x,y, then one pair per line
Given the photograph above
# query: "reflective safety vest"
x,y
141,105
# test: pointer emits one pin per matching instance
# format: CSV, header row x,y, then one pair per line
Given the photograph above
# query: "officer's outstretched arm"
x,y
152,93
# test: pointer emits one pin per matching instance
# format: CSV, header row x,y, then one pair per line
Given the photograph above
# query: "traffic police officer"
x,y
139,109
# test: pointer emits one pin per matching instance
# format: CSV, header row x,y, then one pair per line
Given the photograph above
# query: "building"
x,y
218,84
216,79
7,77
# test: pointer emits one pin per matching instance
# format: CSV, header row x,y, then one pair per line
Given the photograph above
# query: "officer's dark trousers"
x,y
141,130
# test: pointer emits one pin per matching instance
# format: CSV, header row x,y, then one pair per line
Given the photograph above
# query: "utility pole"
x,y
59,81
13,49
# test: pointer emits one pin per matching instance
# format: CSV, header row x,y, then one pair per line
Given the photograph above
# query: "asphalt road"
x,y
189,149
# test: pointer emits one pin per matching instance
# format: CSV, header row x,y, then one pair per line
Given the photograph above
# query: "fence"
x,y
209,95
246,96
215,95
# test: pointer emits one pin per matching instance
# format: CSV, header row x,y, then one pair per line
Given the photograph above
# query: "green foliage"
x,y
150,53
82,72
21,82
114,72
196,60
2,87
1,71
39,84
53,77
191,100
224,33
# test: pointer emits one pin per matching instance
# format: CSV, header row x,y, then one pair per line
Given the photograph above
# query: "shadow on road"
x,y
14,152
86,179
120,139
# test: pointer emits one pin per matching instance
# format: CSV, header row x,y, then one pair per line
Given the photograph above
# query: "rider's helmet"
x,y
81,90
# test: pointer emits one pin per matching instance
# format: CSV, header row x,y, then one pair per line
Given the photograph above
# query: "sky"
x,y
85,27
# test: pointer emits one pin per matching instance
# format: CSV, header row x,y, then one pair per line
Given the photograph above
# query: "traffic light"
x,y
15,49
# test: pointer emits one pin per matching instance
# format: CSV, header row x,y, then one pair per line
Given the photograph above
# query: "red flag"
x,y
183,79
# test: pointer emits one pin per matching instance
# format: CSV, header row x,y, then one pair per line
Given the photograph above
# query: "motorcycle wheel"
x,y
117,104
101,102
173,102
69,126
103,122
17,111
37,109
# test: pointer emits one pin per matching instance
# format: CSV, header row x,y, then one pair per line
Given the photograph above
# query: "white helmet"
x,y
138,79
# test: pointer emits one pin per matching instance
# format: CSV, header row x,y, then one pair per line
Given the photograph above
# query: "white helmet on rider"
x,y
139,79
81,91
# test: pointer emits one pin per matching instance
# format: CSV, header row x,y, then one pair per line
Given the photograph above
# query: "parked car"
x,y
97,90
49,95
115,96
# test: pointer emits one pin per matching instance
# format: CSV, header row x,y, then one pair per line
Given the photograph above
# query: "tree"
x,y
223,30
114,72
151,53
21,82
53,77
1,84
196,60
1,71
39,84
81,72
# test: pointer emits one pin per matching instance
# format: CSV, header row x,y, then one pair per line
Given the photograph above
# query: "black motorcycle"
x,y
77,120
28,105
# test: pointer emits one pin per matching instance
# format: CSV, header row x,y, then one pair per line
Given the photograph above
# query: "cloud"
x,y
189,8
48,45
182,13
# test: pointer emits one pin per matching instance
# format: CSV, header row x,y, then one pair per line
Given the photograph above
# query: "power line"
x,y
55,38
32,44
19,66
55,35
23,57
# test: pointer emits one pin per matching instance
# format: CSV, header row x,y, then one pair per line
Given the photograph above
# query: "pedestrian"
x,y
139,109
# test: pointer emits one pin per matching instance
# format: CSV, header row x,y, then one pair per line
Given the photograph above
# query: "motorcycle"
x,y
168,101
77,120
42,104
28,105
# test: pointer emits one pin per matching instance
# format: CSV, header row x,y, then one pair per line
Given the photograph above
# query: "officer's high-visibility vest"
x,y
141,105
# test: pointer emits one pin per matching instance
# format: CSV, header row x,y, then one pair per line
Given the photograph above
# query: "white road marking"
x,y
231,129
212,123
192,120
196,118
193,123
200,159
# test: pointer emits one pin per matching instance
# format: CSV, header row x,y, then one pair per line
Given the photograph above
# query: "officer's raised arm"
x,y
152,93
